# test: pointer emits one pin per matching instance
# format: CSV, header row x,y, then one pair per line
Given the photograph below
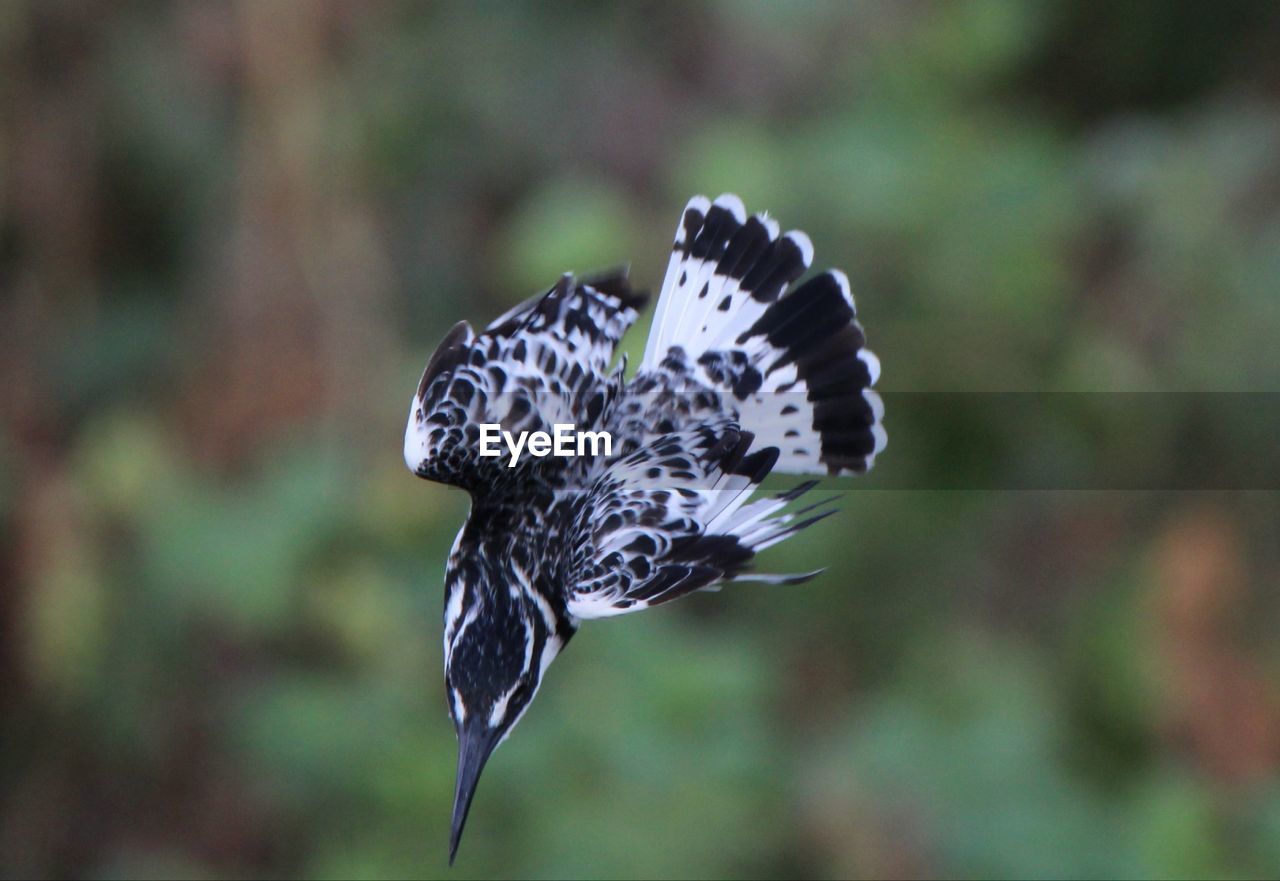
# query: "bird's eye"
x,y
448,355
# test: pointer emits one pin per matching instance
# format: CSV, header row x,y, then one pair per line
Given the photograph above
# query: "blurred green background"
x,y
230,236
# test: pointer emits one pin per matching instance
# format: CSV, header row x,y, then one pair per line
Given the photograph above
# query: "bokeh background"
x,y
231,234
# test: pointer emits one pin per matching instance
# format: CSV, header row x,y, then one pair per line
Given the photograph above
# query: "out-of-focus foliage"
x,y
230,235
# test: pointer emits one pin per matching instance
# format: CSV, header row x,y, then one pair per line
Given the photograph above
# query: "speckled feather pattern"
x,y
745,373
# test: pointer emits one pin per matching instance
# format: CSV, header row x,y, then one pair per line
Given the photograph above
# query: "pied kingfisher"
x,y
742,375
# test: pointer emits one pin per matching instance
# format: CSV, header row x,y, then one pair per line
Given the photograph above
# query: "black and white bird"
x,y
743,375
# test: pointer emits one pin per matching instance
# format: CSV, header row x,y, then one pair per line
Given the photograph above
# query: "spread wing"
x,y
544,362
673,516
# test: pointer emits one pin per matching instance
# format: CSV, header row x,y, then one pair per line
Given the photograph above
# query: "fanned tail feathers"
x,y
794,359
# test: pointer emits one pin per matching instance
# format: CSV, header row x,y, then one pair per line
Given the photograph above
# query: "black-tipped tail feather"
x,y
794,359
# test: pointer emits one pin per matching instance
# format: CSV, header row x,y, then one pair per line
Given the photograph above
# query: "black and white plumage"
x,y
743,375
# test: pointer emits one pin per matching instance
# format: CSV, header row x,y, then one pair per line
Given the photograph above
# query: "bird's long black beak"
x,y
476,742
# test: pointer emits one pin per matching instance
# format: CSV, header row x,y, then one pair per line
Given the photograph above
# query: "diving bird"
x,y
745,373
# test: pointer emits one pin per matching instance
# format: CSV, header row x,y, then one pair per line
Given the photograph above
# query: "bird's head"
x,y
494,662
